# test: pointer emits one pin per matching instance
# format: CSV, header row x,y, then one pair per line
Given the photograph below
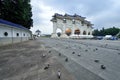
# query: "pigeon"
x,y
79,55
96,49
86,50
59,74
73,52
46,67
43,55
49,51
66,47
96,61
118,53
59,54
103,67
66,59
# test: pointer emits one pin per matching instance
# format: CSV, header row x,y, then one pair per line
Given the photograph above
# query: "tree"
x,y
109,31
96,32
102,32
112,31
17,11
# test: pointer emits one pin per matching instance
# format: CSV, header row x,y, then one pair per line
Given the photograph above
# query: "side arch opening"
x,y
77,32
68,31
84,32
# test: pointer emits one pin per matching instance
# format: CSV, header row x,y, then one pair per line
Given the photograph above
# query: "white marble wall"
x,y
12,34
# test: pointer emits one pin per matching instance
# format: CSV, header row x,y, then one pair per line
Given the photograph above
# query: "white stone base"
x,y
63,35
54,35
82,36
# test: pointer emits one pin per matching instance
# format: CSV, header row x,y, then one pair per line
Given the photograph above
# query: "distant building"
x,y
71,26
13,33
38,33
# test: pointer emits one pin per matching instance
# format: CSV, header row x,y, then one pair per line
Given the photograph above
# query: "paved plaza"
x,y
86,60
93,54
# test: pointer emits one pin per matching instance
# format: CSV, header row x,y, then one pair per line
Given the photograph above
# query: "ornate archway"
x,y
77,32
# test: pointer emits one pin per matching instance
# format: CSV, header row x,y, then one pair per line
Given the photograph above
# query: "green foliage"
x,y
109,31
118,36
17,11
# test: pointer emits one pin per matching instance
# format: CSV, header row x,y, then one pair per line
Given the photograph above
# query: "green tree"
x,y
102,32
109,31
96,32
17,11
112,31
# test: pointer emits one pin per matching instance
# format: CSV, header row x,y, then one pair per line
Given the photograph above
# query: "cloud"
x,y
102,13
109,17
42,15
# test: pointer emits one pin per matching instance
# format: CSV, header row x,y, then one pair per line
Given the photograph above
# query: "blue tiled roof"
x,y
12,24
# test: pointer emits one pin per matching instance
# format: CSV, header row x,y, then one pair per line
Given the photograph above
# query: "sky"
x,y
101,13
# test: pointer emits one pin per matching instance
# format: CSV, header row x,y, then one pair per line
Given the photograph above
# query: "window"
x,y
5,34
73,21
88,25
23,34
17,34
64,20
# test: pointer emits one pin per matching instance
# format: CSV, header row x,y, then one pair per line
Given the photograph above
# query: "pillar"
x,y
64,35
54,34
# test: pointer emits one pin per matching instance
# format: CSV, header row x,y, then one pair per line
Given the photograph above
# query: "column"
x,y
54,34
63,35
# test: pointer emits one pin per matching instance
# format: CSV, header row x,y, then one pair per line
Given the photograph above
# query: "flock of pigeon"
x,y
66,60
81,52
48,65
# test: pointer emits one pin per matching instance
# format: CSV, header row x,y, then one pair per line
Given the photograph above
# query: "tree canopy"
x,y
109,31
17,11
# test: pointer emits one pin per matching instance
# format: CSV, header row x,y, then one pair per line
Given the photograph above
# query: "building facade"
x,y
13,33
71,26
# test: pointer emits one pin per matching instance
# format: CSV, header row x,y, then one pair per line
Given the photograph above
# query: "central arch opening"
x,y
68,31
59,31
77,32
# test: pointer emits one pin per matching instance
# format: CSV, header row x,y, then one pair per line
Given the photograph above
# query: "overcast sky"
x,y
102,13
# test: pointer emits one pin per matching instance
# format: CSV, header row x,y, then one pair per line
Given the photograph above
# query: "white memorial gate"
x,y
72,26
